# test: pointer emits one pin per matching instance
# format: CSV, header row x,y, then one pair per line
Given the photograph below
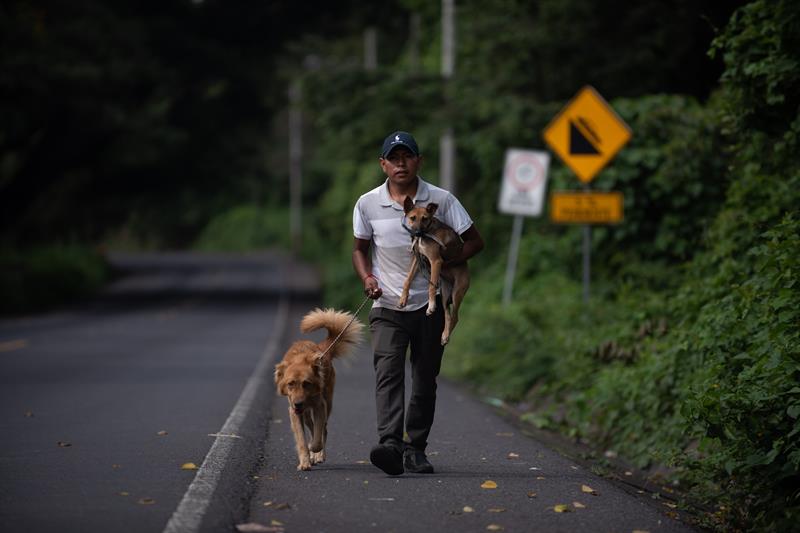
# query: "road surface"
x,y
102,405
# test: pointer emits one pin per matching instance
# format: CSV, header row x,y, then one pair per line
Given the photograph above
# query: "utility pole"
x,y
370,49
447,143
414,31
295,166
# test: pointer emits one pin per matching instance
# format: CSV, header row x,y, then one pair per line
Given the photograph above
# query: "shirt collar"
x,y
423,194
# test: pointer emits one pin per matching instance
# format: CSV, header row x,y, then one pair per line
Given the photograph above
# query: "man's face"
x,y
401,165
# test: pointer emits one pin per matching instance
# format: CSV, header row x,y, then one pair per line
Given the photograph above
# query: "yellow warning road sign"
x,y
587,133
575,207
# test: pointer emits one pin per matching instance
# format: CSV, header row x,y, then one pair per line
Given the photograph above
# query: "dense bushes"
x,y
701,364
42,277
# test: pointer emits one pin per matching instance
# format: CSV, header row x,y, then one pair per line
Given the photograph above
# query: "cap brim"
x,y
395,145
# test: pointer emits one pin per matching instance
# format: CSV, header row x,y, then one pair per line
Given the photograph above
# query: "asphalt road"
x,y
469,446
101,405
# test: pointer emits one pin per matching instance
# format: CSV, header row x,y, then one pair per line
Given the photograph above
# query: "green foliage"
x,y
43,277
246,228
150,118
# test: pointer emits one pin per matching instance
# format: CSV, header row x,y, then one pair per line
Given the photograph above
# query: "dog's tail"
x,y
335,322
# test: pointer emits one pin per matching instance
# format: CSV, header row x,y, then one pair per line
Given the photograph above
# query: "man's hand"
x,y
371,287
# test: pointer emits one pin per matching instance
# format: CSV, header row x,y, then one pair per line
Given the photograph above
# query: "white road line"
x,y
189,514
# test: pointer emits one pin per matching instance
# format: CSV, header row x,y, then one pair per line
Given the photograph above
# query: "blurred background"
x,y
148,126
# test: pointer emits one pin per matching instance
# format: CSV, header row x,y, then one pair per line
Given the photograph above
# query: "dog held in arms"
x,y
436,242
307,378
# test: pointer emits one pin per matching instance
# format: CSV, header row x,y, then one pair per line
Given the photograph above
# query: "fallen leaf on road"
x,y
362,462
497,510
670,505
276,522
512,455
578,505
494,527
540,477
146,501
574,467
534,468
123,493
282,506
64,444
254,527
531,494
488,484
116,467
588,490
468,509
29,414
267,504
562,508
432,453
188,466
10,346
628,473
162,433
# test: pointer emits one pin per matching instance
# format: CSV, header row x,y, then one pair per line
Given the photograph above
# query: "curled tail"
x,y
335,322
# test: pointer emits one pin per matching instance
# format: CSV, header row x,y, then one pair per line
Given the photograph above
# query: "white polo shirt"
x,y
378,218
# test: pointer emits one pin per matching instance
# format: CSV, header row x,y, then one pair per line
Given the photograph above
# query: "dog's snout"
x,y
298,405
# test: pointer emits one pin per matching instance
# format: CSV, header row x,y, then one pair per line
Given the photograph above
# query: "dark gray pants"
x,y
392,333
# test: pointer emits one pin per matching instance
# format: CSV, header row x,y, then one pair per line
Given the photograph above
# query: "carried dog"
x,y
436,242
307,378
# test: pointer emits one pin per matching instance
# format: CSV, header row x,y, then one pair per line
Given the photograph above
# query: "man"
x,y
381,258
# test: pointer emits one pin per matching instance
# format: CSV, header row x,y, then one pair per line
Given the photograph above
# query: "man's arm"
x,y
363,267
473,243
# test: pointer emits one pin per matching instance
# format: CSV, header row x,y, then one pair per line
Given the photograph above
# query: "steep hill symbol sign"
x,y
586,134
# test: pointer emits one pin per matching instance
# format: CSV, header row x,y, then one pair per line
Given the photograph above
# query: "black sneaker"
x,y
416,462
387,458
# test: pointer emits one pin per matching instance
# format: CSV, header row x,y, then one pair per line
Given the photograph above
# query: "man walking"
x,y
381,258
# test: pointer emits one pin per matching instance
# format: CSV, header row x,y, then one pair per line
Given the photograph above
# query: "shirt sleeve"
x,y
362,229
456,216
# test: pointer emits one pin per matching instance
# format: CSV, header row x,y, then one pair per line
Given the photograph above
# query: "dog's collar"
x,y
420,233
412,232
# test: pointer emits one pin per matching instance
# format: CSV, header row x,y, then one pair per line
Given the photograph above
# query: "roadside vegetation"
x,y
42,277
686,362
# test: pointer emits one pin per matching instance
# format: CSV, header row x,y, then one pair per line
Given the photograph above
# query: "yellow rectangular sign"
x,y
575,207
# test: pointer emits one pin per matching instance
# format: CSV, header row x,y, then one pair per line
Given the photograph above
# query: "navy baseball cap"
x,y
399,138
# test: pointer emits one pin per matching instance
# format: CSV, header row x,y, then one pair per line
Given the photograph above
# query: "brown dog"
x,y
437,242
306,377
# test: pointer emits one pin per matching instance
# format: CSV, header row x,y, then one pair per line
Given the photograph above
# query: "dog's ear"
x,y
279,368
408,204
431,208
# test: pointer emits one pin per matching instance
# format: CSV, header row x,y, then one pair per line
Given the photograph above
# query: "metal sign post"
x,y
586,134
521,194
513,254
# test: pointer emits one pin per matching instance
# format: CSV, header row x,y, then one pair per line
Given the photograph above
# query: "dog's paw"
x,y
445,339
431,309
402,303
305,465
318,457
